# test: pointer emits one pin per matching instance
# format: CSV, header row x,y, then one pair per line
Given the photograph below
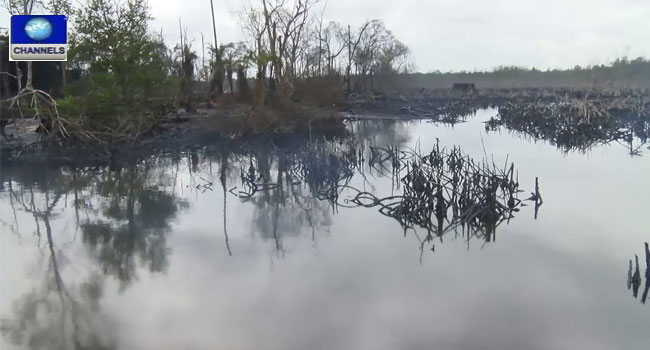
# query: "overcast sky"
x,y
464,35
461,35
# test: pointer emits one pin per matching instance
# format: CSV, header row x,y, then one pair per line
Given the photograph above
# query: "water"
x,y
161,255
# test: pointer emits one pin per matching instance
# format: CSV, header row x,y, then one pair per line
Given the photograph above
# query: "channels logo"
x,y
38,38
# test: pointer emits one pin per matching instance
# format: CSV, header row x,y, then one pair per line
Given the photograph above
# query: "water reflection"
x,y
441,191
131,222
634,279
568,131
445,189
294,188
58,314
123,215
281,193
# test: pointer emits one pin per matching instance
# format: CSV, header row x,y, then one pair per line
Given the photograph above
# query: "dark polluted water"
x,y
368,242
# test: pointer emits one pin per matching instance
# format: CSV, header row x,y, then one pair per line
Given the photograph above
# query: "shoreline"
x,y
229,121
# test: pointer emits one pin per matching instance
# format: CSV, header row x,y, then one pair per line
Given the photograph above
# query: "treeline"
x,y
623,73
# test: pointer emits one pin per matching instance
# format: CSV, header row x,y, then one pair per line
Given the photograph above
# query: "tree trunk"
x,y
272,79
219,78
242,83
19,80
218,58
259,87
63,82
349,59
216,84
320,50
230,82
5,83
29,85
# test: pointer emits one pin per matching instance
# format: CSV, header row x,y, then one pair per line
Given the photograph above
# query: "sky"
x,y
450,35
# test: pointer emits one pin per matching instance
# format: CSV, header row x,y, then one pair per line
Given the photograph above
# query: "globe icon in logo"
x,y
38,28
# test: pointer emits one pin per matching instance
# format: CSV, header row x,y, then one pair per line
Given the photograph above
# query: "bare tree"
x,y
253,24
23,7
335,41
218,72
283,24
352,50
290,43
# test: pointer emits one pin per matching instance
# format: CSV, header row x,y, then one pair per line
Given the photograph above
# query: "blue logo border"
x,y
59,29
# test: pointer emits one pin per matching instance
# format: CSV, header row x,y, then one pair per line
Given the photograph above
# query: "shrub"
x,y
324,92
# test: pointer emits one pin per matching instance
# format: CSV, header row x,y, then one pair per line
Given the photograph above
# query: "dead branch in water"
x,y
634,276
38,97
579,123
45,109
445,189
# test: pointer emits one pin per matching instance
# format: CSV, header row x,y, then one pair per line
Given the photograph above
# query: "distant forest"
x,y
623,73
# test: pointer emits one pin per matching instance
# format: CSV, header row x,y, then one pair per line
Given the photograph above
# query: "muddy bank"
x,y
185,139
24,141
182,130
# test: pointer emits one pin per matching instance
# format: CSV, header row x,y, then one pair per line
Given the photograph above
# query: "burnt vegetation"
x,y
634,278
570,119
445,190
581,120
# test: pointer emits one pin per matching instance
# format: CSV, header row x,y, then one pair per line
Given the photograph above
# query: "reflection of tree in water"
x,y
634,278
124,217
441,191
133,224
291,188
381,132
281,214
445,190
55,315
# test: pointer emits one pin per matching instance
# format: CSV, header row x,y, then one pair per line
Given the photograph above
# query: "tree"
x,y
285,23
114,44
333,41
392,58
253,25
377,51
62,7
352,50
23,7
4,62
218,78
277,32
232,56
291,44
188,58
